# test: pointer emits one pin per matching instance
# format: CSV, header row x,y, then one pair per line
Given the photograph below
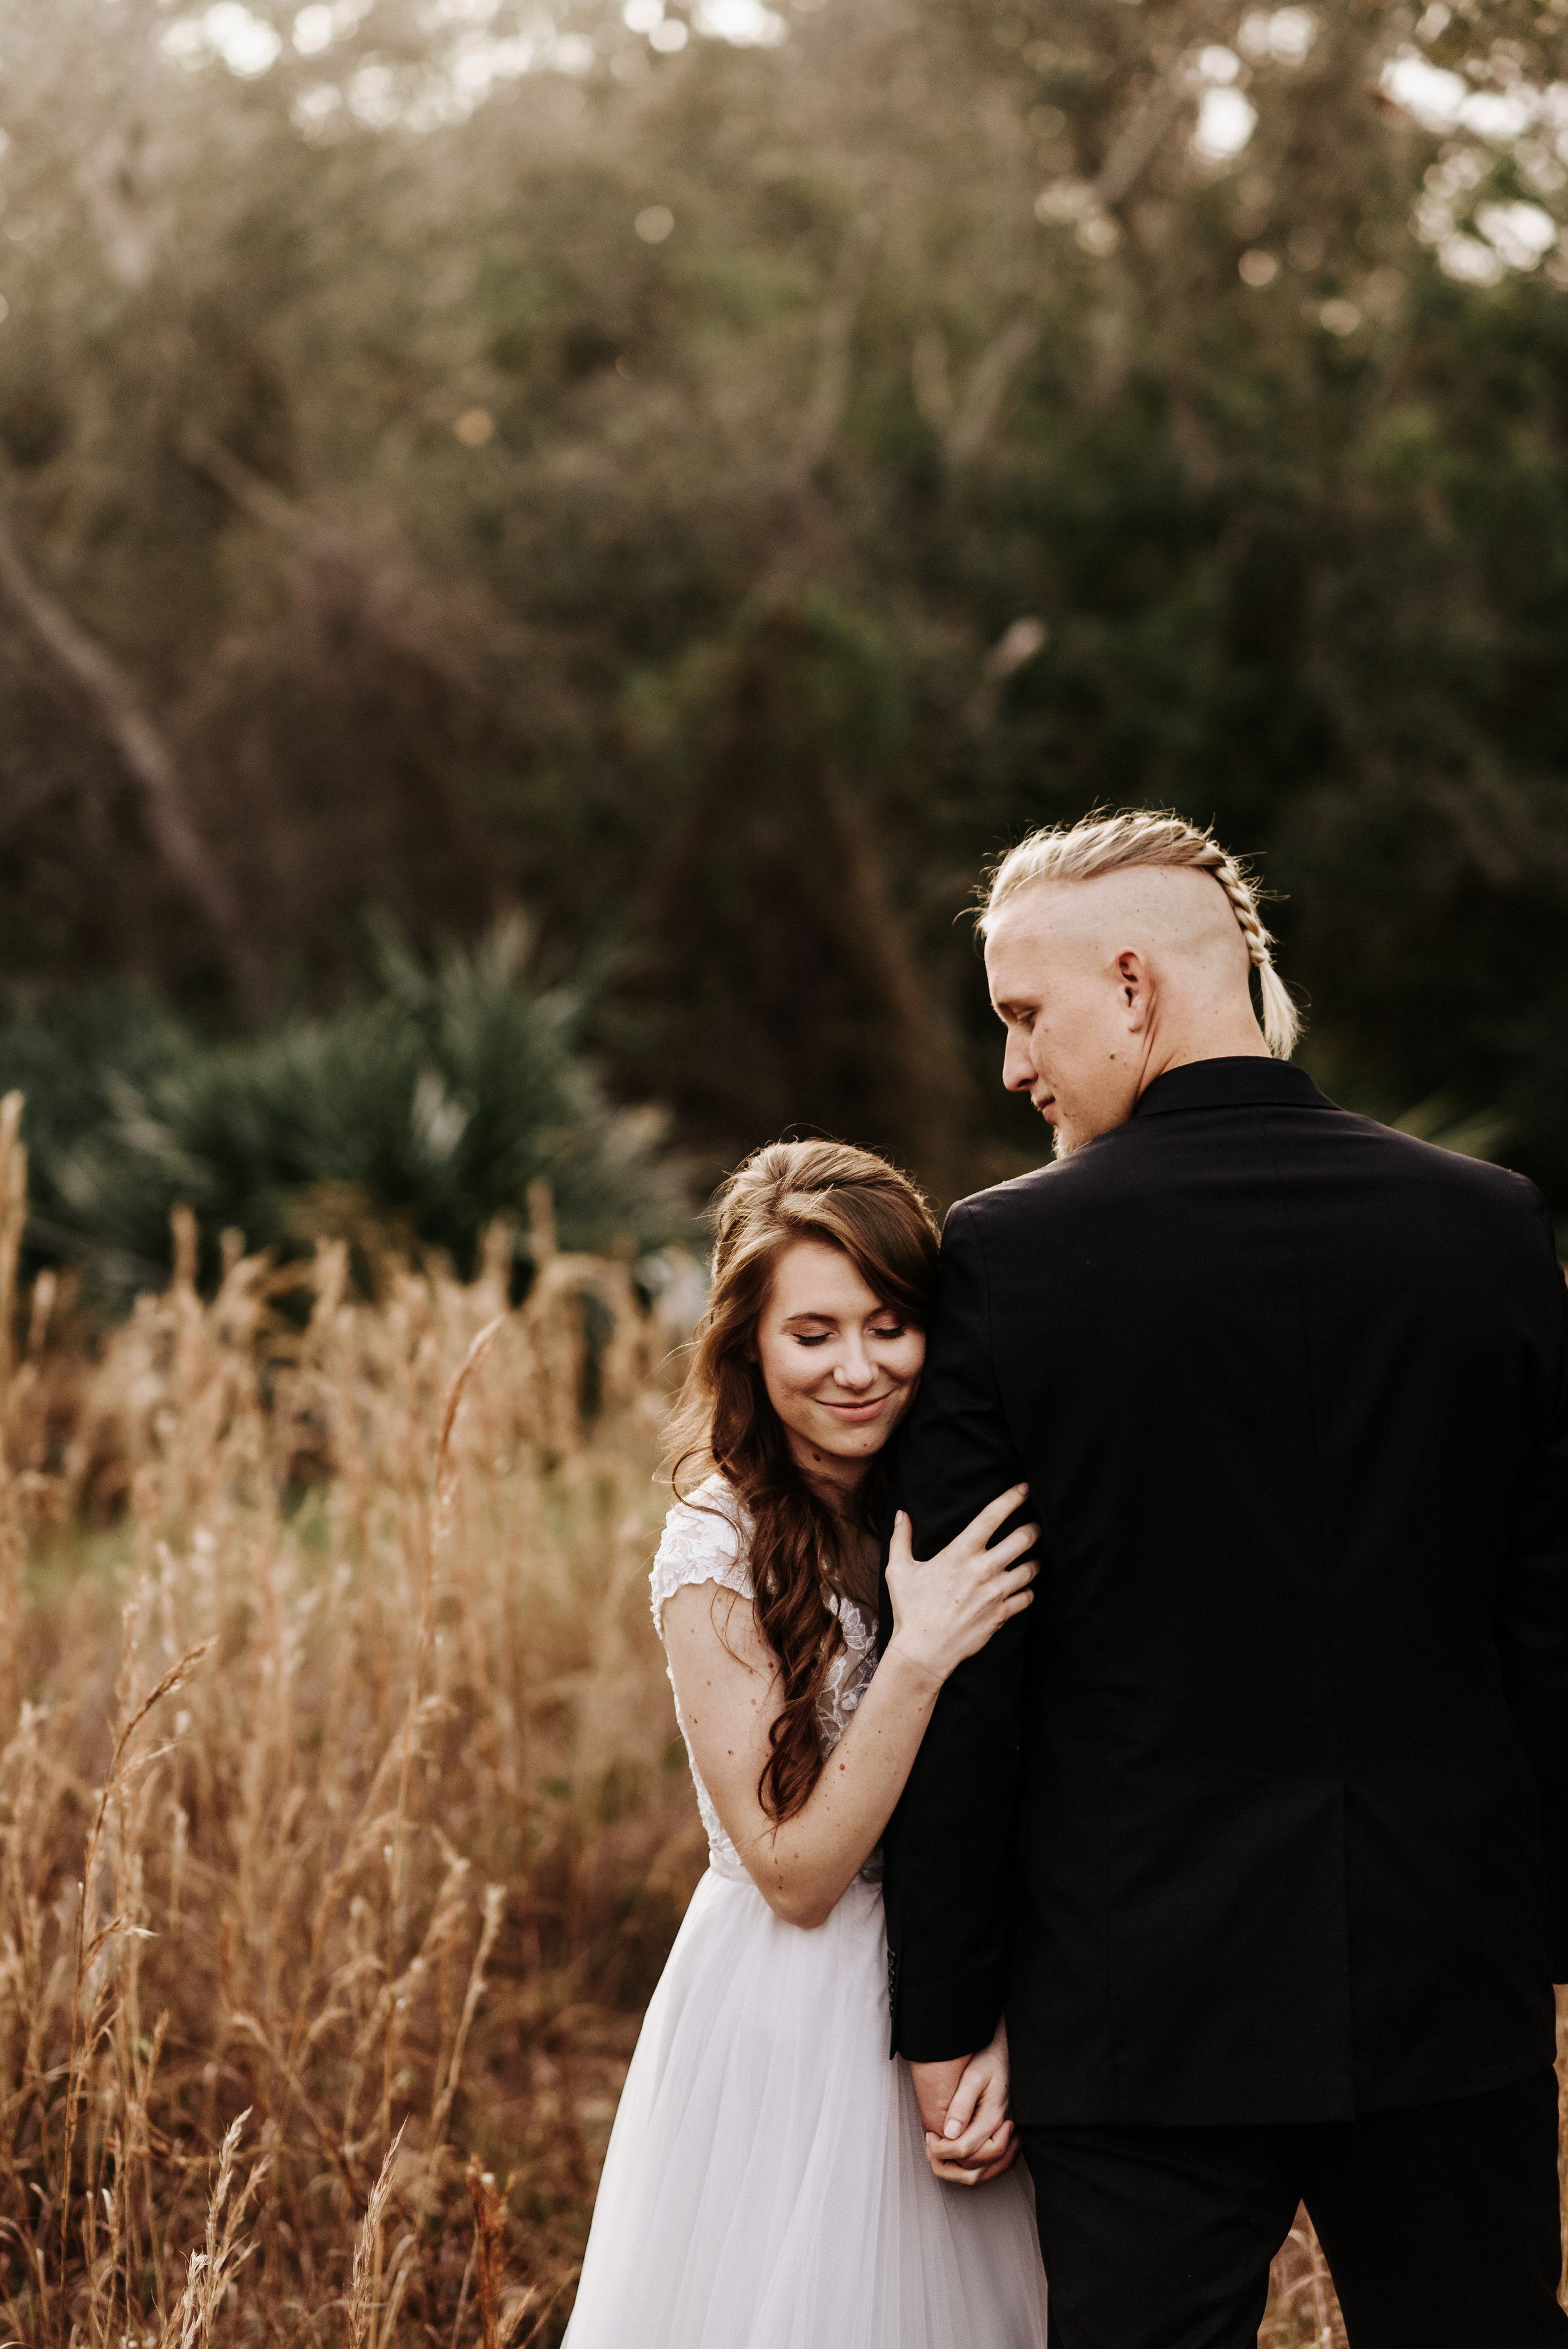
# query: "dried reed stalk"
x,y
121,1765
12,1221
498,2327
380,1579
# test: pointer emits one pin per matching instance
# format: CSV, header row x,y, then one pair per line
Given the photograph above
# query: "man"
x,y
1256,1824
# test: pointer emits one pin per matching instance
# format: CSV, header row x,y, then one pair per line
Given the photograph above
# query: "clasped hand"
x,y
969,2137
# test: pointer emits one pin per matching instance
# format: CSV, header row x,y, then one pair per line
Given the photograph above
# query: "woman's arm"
x,y
727,1680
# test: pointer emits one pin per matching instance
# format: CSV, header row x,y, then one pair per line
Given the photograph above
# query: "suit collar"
x,y
1231,1084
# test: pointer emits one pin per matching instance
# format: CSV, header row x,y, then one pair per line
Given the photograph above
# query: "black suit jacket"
x,y
1261,1811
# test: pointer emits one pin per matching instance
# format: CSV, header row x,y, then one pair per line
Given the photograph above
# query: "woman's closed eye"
x,y
888,1333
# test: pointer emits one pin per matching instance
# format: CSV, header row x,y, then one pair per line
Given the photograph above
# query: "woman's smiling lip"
x,y
859,1407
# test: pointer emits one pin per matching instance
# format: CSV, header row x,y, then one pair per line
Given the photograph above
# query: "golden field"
x,y
343,1823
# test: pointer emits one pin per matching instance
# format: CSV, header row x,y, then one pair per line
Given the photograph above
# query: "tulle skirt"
x,y
766,2185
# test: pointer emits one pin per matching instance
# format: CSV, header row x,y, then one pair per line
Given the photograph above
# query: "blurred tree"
x,y
714,475
773,968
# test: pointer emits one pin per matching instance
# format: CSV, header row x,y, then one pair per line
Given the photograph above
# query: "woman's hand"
x,y
948,1606
728,1687
977,2141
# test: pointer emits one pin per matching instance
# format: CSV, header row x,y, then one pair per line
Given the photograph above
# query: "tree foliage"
x,y
715,491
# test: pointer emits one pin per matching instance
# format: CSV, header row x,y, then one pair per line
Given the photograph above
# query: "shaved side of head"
x,y
1141,839
1106,981
1172,914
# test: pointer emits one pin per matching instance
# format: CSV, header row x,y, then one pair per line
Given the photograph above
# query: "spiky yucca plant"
x,y
417,1113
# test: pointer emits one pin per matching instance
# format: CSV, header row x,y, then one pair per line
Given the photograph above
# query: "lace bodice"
x,y
705,1540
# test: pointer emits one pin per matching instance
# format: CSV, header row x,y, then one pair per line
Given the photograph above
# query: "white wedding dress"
x,y
766,2185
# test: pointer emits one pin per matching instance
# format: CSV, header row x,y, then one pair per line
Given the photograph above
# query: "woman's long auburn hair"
x,y
848,1199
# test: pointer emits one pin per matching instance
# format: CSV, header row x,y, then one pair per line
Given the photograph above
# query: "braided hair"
x,y
1110,843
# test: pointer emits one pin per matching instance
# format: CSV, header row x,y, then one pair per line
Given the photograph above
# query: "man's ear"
x,y
1132,977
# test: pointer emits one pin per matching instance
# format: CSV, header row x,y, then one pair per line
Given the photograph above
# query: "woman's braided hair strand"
x,y
1082,851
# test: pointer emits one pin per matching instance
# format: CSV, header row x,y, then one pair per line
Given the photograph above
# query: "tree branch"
x,y
254,496
1136,143
143,747
989,380
831,390
1138,140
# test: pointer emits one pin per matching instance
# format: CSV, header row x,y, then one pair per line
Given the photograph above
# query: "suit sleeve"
x,y
948,1852
1532,1616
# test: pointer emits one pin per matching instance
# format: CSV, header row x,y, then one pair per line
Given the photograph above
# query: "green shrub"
x,y
414,1115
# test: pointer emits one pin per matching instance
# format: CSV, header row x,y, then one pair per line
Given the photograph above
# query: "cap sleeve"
x,y
705,1540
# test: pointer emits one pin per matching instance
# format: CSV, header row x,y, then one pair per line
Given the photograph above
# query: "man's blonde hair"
x,y
1113,843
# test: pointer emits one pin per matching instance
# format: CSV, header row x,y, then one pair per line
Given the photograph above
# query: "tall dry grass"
x,y
343,1827
340,1837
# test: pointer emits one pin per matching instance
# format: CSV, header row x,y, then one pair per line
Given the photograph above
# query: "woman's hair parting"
x,y
842,1198
1082,851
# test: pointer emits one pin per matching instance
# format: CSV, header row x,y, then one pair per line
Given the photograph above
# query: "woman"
x,y
768,2185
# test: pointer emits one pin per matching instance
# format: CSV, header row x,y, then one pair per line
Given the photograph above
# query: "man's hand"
x,y
969,2138
936,2085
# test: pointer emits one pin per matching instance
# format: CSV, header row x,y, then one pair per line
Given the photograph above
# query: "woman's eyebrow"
x,y
809,1313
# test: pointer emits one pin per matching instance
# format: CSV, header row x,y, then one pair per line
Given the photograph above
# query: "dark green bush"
x,y
416,1113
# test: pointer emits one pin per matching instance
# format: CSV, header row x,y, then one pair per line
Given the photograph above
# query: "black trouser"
x,y
1440,2224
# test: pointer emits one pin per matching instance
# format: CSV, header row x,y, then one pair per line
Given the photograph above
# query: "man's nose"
x,y
1019,1071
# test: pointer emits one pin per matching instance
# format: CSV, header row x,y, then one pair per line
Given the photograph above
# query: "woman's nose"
x,y
852,1370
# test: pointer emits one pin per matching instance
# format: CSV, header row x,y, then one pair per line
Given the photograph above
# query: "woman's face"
x,y
839,1366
